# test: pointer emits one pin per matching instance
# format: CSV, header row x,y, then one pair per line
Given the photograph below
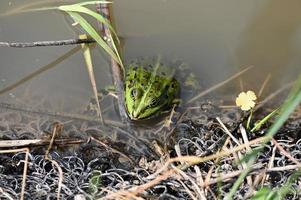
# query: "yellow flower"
x,y
246,100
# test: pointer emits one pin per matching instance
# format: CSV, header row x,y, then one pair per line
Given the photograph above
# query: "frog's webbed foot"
x,y
177,102
107,91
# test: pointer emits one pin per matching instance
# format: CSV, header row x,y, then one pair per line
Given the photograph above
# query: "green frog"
x,y
149,90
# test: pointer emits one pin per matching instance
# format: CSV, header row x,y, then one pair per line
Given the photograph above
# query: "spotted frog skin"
x,y
149,92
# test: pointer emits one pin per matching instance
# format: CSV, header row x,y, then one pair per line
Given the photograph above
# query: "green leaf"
x,y
259,123
58,7
249,119
88,60
266,194
93,33
80,9
95,181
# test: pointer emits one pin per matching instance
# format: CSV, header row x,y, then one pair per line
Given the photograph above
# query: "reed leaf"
x,y
80,9
93,33
89,65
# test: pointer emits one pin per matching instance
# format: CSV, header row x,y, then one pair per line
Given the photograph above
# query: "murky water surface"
x,y
216,39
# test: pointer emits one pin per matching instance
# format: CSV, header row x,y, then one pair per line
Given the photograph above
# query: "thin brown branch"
x,y
57,128
285,153
46,43
265,82
274,94
117,70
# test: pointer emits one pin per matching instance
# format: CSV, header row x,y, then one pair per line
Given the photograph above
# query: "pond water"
x,y
216,39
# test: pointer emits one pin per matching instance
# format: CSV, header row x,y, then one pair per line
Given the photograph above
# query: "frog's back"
x,y
149,89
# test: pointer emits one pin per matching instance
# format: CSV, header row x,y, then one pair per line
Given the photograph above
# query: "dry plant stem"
x,y
26,150
46,43
118,73
178,120
57,128
265,82
227,106
227,131
134,191
5,194
89,66
285,153
246,140
274,94
226,177
241,84
270,165
139,189
188,191
168,121
120,195
218,85
208,177
192,160
212,193
241,166
199,180
195,186
38,142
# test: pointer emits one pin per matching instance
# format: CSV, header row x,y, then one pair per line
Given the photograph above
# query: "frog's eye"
x,y
173,85
135,93
153,102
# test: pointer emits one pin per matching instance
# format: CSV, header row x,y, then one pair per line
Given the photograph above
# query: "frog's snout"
x,y
135,114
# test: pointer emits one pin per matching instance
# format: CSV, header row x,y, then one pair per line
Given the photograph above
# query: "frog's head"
x,y
146,95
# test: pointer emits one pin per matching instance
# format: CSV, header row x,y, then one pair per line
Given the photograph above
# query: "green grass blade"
x,y
239,180
266,194
286,109
58,7
38,9
264,120
249,119
81,9
93,33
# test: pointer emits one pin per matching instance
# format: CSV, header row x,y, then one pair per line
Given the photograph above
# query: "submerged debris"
x,y
121,163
